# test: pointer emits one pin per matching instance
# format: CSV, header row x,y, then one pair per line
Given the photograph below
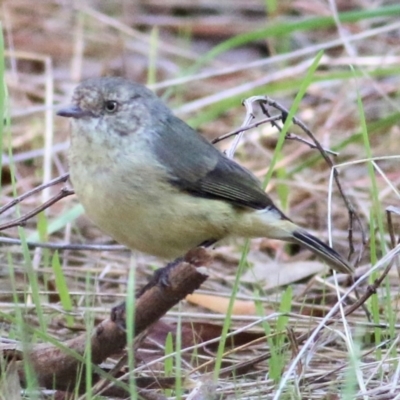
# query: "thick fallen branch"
x,y
56,369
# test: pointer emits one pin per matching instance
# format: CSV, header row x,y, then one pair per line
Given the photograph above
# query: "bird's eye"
x,y
111,106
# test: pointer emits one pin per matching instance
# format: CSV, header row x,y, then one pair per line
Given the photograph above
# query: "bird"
x,y
154,184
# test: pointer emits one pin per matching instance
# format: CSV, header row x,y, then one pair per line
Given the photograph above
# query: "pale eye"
x,y
111,106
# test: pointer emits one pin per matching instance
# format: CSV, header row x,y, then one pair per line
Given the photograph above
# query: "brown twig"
x,y
246,128
292,136
64,192
66,246
352,214
61,179
272,119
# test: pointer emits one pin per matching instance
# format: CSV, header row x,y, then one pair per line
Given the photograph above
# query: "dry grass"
x,y
53,45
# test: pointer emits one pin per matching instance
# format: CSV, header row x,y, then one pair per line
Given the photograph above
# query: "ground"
x,y
336,66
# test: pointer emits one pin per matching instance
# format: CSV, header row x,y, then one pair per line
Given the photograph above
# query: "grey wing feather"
x,y
202,170
230,181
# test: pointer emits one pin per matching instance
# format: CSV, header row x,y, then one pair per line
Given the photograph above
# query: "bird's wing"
x,y
196,166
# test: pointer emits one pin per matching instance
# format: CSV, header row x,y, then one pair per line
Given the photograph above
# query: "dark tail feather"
x,y
330,256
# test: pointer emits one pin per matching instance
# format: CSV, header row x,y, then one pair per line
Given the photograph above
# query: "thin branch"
x,y
65,246
352,213
61,179
246,128
292,136
65,192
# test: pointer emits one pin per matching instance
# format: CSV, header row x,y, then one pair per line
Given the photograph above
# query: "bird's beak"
x,y
73,111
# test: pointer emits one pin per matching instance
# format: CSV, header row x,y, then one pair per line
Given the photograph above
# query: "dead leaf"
x,y
220,304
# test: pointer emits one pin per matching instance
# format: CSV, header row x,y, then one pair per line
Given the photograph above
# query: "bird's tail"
x,y
330,256
273,224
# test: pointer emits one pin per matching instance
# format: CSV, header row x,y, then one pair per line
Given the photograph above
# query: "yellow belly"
x,y
166,226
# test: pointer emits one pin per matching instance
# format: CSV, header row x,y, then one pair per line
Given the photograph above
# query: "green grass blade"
x,y
280,28
292,112
62,287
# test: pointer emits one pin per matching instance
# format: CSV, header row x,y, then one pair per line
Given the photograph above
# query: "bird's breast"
x,y
148,214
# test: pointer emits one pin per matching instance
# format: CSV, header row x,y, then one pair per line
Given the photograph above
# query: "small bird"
x,y
154,184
